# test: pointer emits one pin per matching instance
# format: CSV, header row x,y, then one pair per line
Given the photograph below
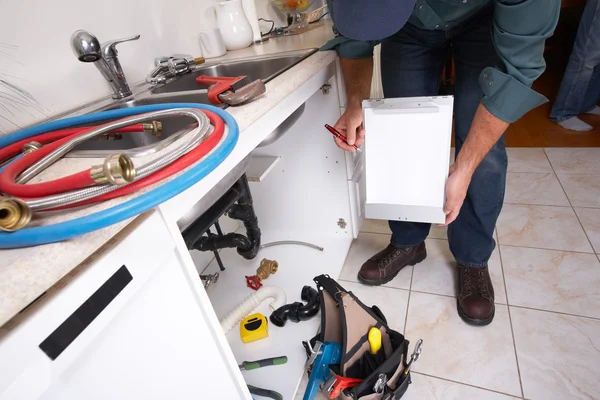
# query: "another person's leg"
x,y
580,88
471,234
412,62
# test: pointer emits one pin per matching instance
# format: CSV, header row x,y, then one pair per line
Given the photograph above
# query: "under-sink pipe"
x,y
251,302
297,311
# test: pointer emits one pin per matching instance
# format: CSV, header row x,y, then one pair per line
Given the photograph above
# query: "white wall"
x,y
36,56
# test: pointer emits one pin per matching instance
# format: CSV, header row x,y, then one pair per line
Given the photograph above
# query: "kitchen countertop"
x,y
27,273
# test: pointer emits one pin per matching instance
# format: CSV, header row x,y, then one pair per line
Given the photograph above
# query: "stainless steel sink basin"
x,y
184,89
265,68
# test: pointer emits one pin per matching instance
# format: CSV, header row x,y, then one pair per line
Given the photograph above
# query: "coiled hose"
x,y
79,226
251,302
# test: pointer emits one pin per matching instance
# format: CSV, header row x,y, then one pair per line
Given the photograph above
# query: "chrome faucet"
x,y
87,49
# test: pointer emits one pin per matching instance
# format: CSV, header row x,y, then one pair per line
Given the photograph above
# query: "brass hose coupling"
x,y
14,214
30,147
117,170
155,127
266,268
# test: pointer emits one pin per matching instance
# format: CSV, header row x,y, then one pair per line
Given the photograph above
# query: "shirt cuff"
x,y
507,98
348,48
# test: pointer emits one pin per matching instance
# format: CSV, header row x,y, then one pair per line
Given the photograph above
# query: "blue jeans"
x,y
580,88
412,62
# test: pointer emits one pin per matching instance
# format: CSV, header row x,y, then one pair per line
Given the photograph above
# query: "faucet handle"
x,y
109,49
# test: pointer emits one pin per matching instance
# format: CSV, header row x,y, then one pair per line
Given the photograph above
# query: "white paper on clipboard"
x,y
407,155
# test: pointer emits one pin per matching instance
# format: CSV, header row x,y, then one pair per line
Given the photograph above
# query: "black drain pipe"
x,y
247,246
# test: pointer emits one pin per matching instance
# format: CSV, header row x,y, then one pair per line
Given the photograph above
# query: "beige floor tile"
x,y
302,389
552,280
583,190
391,301
479,356
574,160
527,160
430,388
545,227
375,226
437,274
363,248
590,218
530,188
559,355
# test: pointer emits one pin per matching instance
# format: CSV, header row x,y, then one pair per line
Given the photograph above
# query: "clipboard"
x,y
407,157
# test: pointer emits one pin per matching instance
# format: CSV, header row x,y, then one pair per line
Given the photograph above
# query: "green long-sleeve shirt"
x,y
520,30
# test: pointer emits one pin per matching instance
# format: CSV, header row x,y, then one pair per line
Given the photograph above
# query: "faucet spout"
x,y
87,49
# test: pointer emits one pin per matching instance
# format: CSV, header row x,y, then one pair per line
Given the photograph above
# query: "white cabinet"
x,y
127,326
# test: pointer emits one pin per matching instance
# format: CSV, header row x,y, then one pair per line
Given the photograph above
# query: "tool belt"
x,y
345,320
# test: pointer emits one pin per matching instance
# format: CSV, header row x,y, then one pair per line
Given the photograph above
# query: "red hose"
x,y
176,166
49,137
11,172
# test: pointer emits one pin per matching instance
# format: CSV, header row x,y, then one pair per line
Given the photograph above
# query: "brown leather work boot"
x,y
385,265
475,301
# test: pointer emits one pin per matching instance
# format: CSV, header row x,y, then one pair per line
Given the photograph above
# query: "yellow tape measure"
x,y
254,327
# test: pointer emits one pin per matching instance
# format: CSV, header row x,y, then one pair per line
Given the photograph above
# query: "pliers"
x,y
271,394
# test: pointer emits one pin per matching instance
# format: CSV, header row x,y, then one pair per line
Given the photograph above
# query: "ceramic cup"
x,y
211,43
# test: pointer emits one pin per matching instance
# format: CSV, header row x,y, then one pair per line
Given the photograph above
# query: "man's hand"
x,y
485,131
350,125
456,191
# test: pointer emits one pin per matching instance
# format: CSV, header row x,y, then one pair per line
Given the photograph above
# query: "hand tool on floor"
x,y
341,383
414,356
265,362
231,90
374,340
271,394
209,279
326,353
254,327
338,135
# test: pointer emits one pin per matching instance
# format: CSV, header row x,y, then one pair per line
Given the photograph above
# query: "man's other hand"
x,y
350,125
456,191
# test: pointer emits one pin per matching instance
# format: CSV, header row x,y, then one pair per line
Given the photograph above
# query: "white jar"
x,y
233,24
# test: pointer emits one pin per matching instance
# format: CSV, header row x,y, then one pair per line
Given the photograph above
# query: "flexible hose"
x,y
69,229
49,137
178,165
2,168
143,171
251,302
12,171
66,146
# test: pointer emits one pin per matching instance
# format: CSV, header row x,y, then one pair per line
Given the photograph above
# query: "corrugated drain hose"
x,y
251,302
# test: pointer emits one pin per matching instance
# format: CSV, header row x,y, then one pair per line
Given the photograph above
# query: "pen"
x,y
338,135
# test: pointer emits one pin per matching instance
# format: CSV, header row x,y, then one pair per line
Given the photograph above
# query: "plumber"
x,y
498,47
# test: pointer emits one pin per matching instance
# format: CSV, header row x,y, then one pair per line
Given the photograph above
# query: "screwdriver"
x,y
338,135
249,365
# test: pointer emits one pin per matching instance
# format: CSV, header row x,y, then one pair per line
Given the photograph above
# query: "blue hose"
x,y
69,229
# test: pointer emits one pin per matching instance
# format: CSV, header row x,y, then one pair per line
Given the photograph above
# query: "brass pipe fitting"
x,y
155,127
30,147
117,170
14,214
266,268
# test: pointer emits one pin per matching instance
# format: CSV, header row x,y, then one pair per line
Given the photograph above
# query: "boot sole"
x,y
419,258
474,321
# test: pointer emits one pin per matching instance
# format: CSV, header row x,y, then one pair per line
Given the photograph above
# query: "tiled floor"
x,y
544,342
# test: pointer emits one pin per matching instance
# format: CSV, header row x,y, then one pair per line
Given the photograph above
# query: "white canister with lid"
x,y
233,24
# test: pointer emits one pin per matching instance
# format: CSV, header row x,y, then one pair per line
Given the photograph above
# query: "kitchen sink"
x,y
265,68
183,89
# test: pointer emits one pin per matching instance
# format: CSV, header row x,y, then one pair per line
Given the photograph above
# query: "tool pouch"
x,y
346,321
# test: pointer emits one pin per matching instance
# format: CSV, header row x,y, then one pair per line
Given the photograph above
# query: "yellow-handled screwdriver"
x,y
374,339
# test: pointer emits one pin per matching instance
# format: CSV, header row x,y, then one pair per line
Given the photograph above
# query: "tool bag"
x,y
347,321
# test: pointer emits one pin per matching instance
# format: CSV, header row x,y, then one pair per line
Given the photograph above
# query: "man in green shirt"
x,y
498,50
